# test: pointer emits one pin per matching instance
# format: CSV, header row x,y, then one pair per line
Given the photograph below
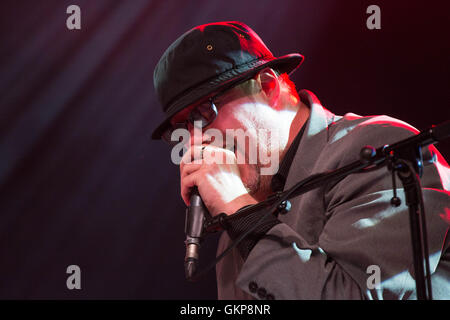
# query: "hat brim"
x,y
285,64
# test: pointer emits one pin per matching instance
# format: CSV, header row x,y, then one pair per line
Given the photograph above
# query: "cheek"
x,y
248,111
249,119
257,116
227,118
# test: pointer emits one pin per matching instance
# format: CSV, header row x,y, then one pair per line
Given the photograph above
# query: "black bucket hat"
x,y
208,59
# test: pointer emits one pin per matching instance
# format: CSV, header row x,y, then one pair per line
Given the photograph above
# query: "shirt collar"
x,y
279,179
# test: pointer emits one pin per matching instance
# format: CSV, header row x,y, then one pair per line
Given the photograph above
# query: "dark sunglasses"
x,y
199,117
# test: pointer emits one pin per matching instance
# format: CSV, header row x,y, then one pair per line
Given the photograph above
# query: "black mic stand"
x,y
403,157
411,184
406,161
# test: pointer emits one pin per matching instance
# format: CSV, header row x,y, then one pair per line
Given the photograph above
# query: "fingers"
x,y
210,153
187,183
189,168
206,159
190,164
192,155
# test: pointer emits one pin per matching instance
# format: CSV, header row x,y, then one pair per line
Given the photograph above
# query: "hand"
x,y
217,178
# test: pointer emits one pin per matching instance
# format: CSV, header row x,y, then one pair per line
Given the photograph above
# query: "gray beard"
x,y
259,186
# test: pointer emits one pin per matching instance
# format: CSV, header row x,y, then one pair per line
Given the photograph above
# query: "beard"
x,y
254,170
257,184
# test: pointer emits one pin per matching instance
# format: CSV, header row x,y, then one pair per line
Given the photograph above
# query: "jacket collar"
x,y
314,139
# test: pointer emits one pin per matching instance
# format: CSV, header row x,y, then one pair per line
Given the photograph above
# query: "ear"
x,y
270,85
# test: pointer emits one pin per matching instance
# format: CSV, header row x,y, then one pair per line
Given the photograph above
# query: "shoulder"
x,y
371,128
352,132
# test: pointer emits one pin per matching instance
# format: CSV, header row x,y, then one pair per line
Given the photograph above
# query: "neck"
x,y
297,123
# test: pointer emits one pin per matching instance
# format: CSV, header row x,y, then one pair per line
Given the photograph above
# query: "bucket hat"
x,y
209,58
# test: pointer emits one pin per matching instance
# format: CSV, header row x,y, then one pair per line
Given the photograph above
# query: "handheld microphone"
x,y
193,227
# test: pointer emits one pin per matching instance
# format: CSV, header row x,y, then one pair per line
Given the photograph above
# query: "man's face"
x,y
243,114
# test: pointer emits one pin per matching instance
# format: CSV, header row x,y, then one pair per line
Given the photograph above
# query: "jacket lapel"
x,y
313,141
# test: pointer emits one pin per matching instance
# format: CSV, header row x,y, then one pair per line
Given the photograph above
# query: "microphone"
x,y
193,227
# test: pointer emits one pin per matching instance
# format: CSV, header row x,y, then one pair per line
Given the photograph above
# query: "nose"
x,y
195,136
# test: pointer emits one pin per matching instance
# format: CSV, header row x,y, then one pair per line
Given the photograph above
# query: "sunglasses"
x,y
199,117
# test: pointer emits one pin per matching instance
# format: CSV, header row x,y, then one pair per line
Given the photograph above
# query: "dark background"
x,y
80,180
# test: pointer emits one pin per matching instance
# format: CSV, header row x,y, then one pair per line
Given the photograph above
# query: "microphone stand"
x,y
404,158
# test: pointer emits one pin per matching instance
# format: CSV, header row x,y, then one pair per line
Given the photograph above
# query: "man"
x,y
221,76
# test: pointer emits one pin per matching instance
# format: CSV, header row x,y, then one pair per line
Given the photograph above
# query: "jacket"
x,y
337,237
